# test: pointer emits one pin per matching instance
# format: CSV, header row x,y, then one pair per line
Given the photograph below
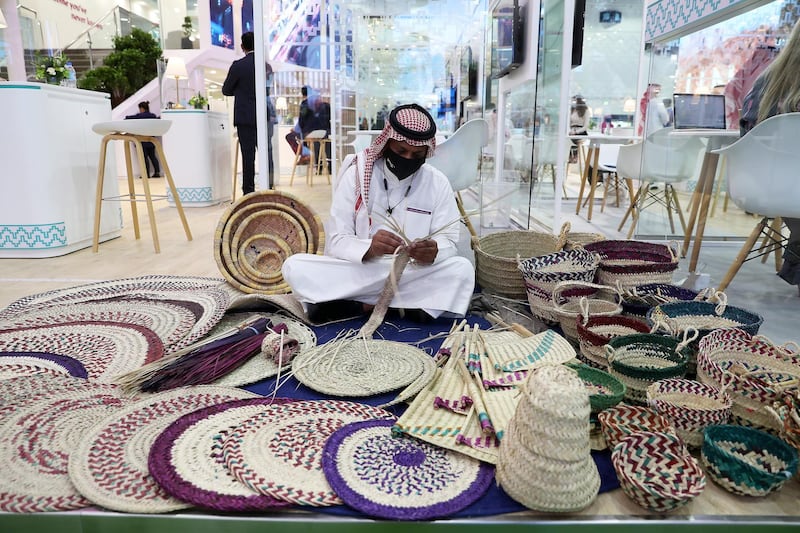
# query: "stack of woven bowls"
x,y
257,233
545,458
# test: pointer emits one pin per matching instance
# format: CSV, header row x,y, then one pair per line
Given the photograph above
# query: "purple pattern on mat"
x,y
457,406
428,476
512,379
73,367
161,468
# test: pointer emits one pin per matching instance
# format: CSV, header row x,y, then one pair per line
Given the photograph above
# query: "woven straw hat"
x,y
545,458
109,465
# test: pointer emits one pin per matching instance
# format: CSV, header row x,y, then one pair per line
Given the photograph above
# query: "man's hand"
x,y
383,243
423,252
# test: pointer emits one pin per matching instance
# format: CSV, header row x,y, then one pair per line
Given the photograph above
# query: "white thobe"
x,y
420,205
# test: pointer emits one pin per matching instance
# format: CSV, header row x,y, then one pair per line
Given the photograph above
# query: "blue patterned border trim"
x,y
667,16
33,236
192,195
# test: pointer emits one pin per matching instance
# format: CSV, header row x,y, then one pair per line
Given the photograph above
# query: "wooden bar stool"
x,y
135,132
314,138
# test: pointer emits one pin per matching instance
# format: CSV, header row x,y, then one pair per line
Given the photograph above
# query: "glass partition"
x,y
698,82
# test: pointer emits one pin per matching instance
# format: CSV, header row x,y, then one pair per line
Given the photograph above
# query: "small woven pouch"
x,y
642,359
656,471
754,371
604,389
632,263
622,420
597,331
583,308
747,461
689,406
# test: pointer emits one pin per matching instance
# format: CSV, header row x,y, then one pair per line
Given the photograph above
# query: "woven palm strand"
x,y
363,367
124,438
36,441
642,359
604,389
622,420
278,451
747,461
689,406
656,471
107,289
582,309
498,254
754,371
545,462
597,331
631,263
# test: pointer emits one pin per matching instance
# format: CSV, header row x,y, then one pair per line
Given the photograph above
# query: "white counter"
x,y
49,156
198,150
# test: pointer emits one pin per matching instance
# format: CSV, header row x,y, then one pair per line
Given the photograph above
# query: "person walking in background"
x,y
777,91
148,148
241,84
652,112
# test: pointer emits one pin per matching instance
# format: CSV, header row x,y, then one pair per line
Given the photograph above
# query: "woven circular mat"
x,y
186,458
278,452
20,390
361,367
105,349
37,440
108,288
260,366
15,364
169,321
400,478
109,466
241,301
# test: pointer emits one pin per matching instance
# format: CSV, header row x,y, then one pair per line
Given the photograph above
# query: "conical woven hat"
x,y
545,456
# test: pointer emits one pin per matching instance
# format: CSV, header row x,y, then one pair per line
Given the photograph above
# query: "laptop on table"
x,y
699,111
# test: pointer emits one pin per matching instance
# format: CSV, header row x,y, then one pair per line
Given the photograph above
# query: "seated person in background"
x,y
148,148
388,181
777,91
293,138
579,120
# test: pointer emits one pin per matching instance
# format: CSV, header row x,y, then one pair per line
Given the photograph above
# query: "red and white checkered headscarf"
x,y
410,123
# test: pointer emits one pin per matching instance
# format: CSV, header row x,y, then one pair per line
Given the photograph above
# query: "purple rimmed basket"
x,y
638,300
627,263
656,471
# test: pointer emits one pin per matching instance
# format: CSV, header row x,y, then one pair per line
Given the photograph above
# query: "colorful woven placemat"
x,y
14,364
361,367
400,478
19,390
169,321
109,465
186,458
278,452
547,347
36,441
105,349
111,288
261,366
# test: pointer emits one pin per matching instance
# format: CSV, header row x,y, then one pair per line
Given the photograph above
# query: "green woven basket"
x,y
747,461
604,389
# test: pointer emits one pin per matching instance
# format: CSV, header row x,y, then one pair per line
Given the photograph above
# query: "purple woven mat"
x,y
167,474
400,478
73,367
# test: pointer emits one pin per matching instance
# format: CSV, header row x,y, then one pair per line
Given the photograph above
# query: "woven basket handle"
x,y
689,334
722,300
673,253
562,236
610,353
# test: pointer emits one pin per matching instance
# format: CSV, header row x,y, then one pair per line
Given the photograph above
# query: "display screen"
x,y
508,36
222,23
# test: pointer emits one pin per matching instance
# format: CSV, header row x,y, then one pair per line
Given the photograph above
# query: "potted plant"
x,y
51,69
198,101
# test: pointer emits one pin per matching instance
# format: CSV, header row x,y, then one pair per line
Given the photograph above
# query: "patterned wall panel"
x,y
26,237
192,195
667,16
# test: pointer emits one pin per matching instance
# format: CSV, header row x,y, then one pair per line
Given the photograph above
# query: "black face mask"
x,y
400,166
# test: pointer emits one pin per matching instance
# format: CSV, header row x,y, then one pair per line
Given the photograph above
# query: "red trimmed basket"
x,y
628,263
597,331
656,471
622,420
689,406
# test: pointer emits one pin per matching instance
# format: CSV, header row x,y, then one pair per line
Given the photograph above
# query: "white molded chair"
x,y
762,178
547,159
660,158
459,158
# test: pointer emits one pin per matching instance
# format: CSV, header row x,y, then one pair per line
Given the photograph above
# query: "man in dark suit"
x,y
241,84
